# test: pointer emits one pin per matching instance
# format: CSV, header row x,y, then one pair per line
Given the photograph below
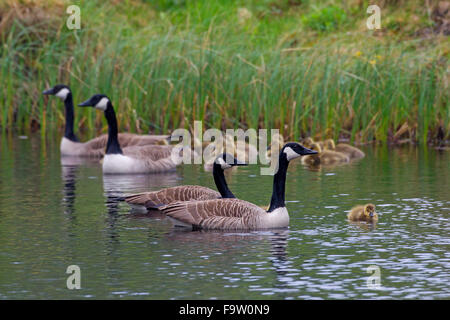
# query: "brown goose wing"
x,y
128,139
220,214
152,152
155,199
97,143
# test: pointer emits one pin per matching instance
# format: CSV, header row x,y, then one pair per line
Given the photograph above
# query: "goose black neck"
x,y
68,133
221,183
279,183
113,146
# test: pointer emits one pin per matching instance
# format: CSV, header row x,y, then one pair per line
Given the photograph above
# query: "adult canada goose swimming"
x,y
351,151
153,200
326,157
132,159
235,214
363,213
71,146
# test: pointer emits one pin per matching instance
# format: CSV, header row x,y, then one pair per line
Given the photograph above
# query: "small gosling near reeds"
x,y
351,151
307,142
325,157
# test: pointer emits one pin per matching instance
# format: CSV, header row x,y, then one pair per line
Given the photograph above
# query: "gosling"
x,y
307,142
363,213
326,157
351,151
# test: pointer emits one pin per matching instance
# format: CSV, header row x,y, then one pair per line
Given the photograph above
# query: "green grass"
x,y
165,64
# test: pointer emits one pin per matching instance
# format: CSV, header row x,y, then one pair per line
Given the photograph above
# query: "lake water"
x,y
55,213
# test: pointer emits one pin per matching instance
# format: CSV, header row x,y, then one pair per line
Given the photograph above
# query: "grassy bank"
x,y
303,68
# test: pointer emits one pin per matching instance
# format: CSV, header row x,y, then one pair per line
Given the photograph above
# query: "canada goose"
x,y
155,199
235,214
70,145
132,159
325,157
363,213
351,151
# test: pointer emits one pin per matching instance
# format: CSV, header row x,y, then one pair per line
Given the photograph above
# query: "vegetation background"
x,y
305,67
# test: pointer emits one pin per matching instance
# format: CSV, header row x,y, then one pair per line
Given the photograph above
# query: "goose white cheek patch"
x,y
223,164
290,154
62,93
102,104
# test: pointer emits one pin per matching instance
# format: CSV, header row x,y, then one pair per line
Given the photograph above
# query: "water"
x,y
57,213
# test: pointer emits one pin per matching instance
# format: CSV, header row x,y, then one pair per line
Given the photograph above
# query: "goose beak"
x,y
239,163
87,103
307,151
49,91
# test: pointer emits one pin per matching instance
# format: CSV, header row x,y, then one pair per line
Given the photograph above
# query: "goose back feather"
x,y
136,159
96,146
155,199
221,214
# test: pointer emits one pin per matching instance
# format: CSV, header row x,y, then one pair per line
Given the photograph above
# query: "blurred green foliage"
x,y
326,19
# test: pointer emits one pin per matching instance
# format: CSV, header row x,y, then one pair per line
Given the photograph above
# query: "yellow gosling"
x,y
307,142
325,157
314,159
363,213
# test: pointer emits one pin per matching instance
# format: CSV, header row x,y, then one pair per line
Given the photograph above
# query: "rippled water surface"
x,y
58,212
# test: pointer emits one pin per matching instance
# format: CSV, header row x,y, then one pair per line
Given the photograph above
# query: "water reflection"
x,y
271,246
73,216
70,167
367,226
122,184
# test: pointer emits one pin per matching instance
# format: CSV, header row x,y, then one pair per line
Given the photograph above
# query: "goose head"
x,y
294,150
369,212
60,90
98,101
226,161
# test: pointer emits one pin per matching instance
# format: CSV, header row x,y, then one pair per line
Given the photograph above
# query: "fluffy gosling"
x,y
363,213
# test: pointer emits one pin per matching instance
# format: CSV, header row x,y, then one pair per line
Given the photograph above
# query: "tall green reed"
x,y
163,76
